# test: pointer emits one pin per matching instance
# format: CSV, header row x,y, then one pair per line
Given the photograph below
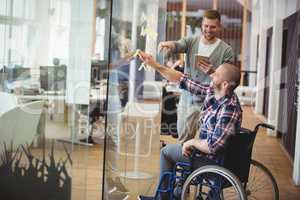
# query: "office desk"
x,y
55,104
41,97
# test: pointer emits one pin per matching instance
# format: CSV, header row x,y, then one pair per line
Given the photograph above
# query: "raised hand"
x,y
147,58
166,46
168,73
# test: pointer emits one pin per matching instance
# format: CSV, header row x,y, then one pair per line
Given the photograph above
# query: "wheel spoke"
x,y
261,184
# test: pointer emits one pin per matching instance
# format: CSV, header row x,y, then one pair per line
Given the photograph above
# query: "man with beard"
x,y
221,114
207,45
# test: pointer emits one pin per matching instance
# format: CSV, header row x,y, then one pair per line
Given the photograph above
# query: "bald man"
x,y
221,114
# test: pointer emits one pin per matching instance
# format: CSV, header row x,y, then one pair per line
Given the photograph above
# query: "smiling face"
x,y
218,79
210,28
226,78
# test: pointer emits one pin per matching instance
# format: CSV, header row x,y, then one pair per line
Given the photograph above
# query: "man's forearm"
x,y
168,73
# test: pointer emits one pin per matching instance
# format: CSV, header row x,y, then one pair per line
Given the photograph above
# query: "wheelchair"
x,y
237,177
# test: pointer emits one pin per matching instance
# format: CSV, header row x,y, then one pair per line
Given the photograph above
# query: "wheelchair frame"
x,y
237,175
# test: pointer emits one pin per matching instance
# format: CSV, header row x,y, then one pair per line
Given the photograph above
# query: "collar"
x,y
222,100
202,42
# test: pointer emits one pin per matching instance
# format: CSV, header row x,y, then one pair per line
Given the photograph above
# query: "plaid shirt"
x,y
220,118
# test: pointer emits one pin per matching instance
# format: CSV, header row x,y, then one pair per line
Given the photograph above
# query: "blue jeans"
x,y
169,156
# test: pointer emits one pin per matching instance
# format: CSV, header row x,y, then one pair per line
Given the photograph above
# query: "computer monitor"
x,y
16,73
53,78
3,78
98,71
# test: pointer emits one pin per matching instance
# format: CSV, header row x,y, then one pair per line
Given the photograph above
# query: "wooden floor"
x,y
88,165
268,150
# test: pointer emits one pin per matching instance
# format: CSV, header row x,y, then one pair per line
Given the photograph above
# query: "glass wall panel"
x,y
134,100
62,112
53,58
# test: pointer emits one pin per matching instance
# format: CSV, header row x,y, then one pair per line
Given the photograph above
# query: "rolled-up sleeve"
x,y
181,46
228,120
228,56
192,86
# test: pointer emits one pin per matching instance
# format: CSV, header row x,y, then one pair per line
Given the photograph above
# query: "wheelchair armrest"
x,y
196,153
269,126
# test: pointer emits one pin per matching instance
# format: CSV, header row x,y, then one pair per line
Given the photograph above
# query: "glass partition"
x,y
52,56
76,106
134,100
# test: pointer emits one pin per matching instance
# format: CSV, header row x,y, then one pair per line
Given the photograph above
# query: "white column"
x,y
275,64
132,69
263,15
245,34
40,39
253,42
39,48
78,69
151,43
296,169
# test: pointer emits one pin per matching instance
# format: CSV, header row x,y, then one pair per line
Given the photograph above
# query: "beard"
x,y
217,87
209,36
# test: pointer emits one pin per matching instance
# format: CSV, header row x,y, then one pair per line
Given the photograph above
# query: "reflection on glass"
x,y
47,125
134,101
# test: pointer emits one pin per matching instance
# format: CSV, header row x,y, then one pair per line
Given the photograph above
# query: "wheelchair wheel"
x,y
212,182
261,183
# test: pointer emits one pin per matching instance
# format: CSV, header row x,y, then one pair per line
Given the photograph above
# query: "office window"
x,y
18,8
14,36
59,30
5,7
30,9
3,44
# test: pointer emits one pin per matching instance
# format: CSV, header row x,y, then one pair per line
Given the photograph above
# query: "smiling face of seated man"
x,y
226,78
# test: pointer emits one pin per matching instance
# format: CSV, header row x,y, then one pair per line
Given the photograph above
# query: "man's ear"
x,y
226,84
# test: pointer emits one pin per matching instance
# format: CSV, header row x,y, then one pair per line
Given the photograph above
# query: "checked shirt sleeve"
x,y
227,124
192,86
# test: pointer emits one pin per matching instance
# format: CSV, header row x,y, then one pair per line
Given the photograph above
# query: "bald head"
x,y
231,74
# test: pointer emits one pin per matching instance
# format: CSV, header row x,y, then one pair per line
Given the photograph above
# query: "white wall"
x,y
78,70
275,64
267,13
152,43
296,170
253,42
264,11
